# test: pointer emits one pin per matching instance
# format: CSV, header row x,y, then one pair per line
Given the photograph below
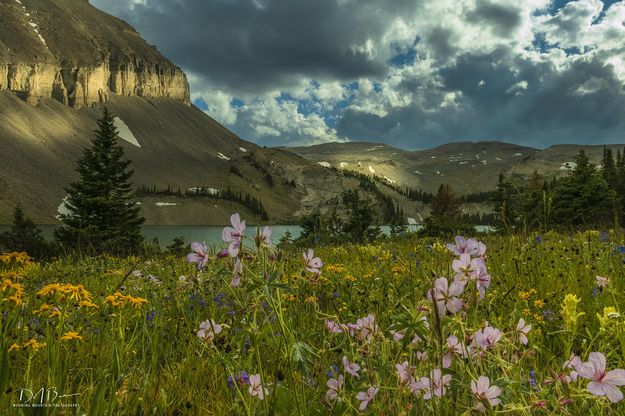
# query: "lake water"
x,y
212,234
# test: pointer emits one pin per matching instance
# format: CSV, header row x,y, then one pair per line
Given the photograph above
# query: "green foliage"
x,y
359,225
445,205
588,197
178,247
24,236
102,215
146,358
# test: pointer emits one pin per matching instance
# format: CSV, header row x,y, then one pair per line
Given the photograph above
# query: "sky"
x,y
410,73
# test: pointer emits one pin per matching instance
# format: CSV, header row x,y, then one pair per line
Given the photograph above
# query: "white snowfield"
x,y
417,172
568,166
325,164
222,156
165,204
518,154
343,164
62,208
124,131
210,191
243,149
371,169
32,24
389,179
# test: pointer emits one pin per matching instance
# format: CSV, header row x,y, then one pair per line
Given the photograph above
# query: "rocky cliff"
x,y
70,51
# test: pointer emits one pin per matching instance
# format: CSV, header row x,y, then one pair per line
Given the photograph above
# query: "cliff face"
x,y
70,51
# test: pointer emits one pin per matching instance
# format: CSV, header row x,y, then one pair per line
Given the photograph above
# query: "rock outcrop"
x,y
79,67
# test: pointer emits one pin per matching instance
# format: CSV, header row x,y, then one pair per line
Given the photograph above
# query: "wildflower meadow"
x,y
406,326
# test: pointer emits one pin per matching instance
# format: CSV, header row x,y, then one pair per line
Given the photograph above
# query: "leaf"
x,y
301,355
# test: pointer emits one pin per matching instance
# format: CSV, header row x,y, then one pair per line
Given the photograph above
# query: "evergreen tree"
x,y
445,204
584,198
609,168
533,202
24,235
102,216
505,204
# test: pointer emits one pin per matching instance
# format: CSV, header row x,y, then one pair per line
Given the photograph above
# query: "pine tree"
x,y
584,198
102,216
445,204
609,167
24,235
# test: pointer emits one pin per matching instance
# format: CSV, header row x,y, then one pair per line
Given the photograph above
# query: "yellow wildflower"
x,y
539,303
34,344
350,278
70,336
311,299
43,308
50,289
610,314
335,268
14,346
569,311
136,302
15,299
87,304
397,269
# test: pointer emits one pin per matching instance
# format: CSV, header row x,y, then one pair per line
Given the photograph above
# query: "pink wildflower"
x,y
366,397
208,330
435,385
264,240
602,281
334,386
234,235
333,327
236,273
523,330
445,296
404,372
351,368
199,255
256,388
467,268
485,393
602,383
454,347
313,264
487,337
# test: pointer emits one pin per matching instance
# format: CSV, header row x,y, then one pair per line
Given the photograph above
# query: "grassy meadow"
x,y
264,333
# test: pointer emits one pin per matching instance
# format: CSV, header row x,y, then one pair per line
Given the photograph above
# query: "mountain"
x,y
62,60
468,166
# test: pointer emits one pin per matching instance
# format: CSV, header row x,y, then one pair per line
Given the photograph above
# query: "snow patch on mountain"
x,y
124,132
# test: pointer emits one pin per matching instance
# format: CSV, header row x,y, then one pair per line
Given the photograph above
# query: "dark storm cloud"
x,y
503,19
440,41
583,104
450,71
264,44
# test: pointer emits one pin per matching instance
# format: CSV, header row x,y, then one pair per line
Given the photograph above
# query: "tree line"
x,y
589,196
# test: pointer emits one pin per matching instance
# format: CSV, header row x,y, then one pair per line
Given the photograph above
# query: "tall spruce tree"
x,y
102,216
